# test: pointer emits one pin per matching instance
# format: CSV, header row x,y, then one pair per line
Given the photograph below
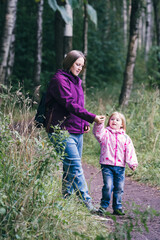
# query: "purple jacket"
x,y
65,103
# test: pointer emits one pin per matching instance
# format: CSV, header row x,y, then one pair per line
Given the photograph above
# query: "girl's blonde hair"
x,y
121,116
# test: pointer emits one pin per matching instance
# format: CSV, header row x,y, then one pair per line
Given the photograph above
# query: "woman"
x,y
65,107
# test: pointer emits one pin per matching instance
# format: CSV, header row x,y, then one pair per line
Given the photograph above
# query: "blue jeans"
x,y
73,176
113,180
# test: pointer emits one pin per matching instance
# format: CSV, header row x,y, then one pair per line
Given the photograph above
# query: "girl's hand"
x,y
100,119
133,168
86,129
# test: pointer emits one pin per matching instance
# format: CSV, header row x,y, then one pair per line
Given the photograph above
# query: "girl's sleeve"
x,y
98,131
131,158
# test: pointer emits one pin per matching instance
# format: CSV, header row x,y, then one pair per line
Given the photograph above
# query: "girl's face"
x,y
115,122
77,66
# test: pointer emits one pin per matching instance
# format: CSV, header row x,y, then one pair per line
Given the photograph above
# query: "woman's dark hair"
x,y
71,57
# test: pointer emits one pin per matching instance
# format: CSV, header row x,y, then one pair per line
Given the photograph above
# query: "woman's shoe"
x,y
90,207
118,212
102,211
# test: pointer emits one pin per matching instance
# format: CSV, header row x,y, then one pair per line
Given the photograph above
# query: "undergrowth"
x,y
31,204
143,126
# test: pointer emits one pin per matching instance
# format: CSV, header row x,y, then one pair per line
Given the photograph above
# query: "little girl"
x,y
116,150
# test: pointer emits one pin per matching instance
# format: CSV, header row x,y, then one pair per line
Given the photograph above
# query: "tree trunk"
x,y
125,22
59,32
141,27
7,38
68,30
149,27
11,54
39,49
156,5
131,56
85,45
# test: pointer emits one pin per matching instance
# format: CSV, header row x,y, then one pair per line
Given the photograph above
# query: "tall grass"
x,y
31,204
143,126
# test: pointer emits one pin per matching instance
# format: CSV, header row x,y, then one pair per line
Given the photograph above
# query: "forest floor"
x,y
134,192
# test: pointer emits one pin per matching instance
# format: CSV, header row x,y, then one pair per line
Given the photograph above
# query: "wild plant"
x,y
31,203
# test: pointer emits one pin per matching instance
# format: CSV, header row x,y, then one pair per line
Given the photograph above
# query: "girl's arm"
x,y
131,158
99,131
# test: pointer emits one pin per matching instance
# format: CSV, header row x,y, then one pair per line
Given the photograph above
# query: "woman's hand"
x,y
86,129
100,119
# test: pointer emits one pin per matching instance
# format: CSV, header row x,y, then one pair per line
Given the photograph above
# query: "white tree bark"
x,y
85,46
141,39
39,47
149,27
7,38
125,21
68,29
11,56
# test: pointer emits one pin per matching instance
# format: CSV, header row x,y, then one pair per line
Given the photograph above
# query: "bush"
x,y
31,204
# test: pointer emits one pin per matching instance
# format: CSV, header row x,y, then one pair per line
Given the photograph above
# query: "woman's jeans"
x,y
113,180
73,177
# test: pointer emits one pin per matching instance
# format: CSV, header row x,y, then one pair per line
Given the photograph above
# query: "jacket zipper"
x,y
115,151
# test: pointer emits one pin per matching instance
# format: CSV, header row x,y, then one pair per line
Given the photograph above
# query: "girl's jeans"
x,y
113,180
73,177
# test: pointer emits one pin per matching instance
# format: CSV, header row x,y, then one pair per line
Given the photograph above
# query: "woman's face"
x,y
77,66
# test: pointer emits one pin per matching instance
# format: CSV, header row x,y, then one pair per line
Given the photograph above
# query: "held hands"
x,y
100,119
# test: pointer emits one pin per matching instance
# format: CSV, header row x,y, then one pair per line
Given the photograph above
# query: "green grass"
x,y
31,204
143,126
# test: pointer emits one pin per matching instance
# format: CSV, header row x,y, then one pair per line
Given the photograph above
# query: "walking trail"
x,y
134,192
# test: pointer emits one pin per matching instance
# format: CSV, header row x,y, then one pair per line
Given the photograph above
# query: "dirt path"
x,y
138,193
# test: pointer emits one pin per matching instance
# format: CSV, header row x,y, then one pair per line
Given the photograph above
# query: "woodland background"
x,y
121,39
35,36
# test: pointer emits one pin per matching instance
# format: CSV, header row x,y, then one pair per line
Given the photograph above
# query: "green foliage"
x,y
31,204
53,4
142,117
136,221
25,46
106,53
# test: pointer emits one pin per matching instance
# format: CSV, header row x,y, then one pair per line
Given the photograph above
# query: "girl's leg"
x,y
107,174
119,177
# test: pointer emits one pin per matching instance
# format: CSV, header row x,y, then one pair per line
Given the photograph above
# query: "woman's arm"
x,y
60,90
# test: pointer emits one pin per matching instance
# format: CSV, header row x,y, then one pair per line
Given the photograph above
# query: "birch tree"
x,y
149,27
131,55
7,38
11,52
85,45
125,21
141,29
39,48
68,30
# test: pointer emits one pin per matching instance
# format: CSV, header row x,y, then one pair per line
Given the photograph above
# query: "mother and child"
x,y
65,108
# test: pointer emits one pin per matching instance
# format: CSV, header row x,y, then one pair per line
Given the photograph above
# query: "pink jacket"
x,y
116,146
